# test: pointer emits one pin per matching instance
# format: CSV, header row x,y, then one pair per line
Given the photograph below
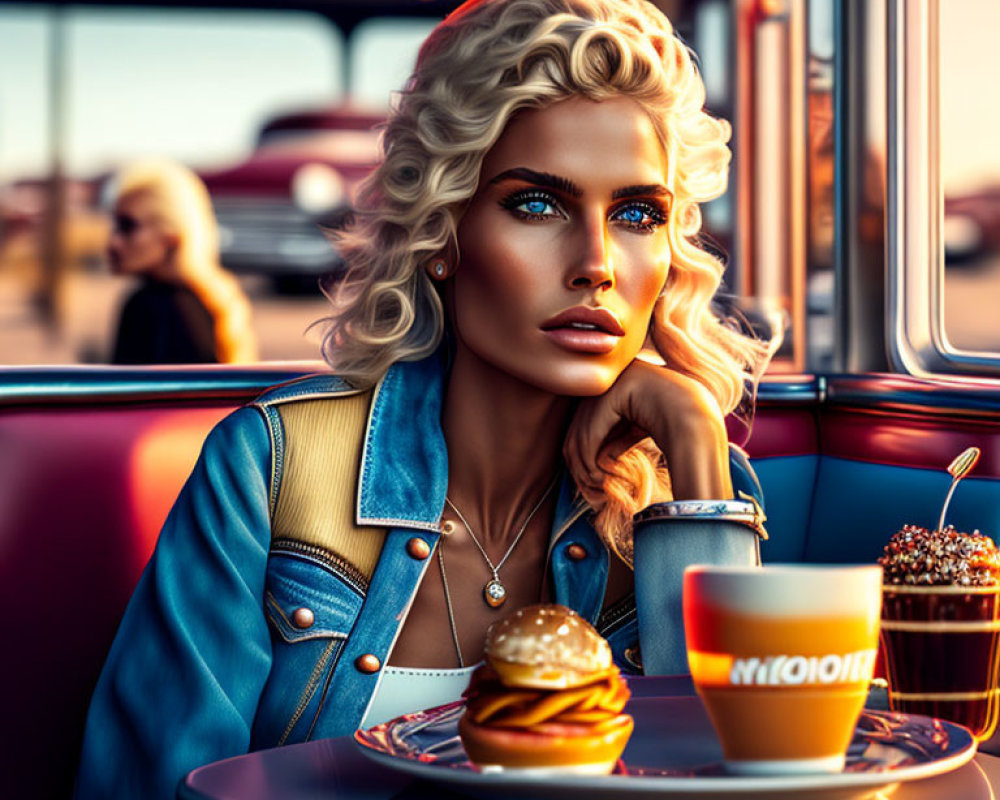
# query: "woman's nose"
x,y
592,266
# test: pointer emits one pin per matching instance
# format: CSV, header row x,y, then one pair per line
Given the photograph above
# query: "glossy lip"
x,y
602,318
601,340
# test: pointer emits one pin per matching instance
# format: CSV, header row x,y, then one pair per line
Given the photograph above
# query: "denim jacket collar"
x,y
404,464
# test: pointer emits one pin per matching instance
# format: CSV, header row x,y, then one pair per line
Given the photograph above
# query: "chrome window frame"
x,y
916,338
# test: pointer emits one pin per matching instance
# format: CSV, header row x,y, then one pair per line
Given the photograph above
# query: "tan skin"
x,y
533,247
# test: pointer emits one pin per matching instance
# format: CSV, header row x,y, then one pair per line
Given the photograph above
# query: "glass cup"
x,y
940,650
782,658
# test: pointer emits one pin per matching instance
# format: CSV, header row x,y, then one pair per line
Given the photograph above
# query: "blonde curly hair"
x,y
485,62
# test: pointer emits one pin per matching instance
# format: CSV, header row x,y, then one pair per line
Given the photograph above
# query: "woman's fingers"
x,y
591,426
598,434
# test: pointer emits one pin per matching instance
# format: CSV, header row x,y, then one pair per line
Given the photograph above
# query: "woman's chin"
x,y
576,381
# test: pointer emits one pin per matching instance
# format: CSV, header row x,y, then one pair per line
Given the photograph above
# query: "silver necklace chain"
x,y
494,570
447,602
494,592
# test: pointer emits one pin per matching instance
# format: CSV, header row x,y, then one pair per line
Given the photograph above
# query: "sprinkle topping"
x,y
916,556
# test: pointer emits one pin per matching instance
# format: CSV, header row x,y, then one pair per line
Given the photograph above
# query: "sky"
x,y
189,84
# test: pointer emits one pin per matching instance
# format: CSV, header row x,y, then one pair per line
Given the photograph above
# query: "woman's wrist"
x,y
698,460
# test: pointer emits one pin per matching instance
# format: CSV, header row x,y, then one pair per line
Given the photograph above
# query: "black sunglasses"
x,y
126,225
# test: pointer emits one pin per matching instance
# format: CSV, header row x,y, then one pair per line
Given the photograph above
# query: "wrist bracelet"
x,y
746,510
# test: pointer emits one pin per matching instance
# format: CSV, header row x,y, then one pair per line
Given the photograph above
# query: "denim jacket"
x,y
208,661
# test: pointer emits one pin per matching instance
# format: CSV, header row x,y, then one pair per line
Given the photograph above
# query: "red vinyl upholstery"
x,y
84,493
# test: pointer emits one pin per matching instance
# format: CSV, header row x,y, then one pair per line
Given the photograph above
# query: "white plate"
x,y
673,753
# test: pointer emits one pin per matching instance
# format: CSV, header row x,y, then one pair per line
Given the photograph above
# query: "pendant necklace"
x,y
494,592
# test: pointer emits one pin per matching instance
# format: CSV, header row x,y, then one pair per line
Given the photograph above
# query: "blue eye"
x,y
532,204
535,206
641,217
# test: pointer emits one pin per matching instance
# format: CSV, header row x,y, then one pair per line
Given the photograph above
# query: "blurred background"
x,y
275,105
274,109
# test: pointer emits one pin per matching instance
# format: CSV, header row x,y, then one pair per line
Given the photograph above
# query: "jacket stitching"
x,y
275,431
269,424
277,396
308,692
430,526
373,413
321,704
611,617
340,567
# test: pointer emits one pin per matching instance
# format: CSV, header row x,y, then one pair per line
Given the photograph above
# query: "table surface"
x,y
334,769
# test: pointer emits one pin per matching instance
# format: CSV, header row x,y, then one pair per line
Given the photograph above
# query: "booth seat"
x,y
92,463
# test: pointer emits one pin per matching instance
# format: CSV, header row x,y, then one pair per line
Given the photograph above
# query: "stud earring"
x,y
439,268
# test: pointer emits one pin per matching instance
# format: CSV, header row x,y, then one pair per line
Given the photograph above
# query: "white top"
x,y
402,690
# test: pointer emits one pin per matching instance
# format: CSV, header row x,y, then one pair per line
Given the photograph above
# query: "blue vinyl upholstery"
x,y
857,506
788,483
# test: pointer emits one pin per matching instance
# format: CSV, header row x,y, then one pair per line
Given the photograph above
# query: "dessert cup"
x,y
940,649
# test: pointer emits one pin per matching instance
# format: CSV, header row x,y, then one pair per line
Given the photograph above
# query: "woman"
x,y
525,337
188,309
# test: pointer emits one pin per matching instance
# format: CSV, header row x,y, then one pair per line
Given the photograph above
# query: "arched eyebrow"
x,y
557,182
567,186
641,190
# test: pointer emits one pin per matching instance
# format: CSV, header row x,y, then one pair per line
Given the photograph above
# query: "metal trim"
x,y
129,385
79,385
906,393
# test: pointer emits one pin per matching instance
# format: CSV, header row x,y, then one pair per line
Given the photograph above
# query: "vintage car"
x,y
851,439
300,178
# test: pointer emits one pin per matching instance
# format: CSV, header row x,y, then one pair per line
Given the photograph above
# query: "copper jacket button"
x,y
576,552
368,663
418,548
303,617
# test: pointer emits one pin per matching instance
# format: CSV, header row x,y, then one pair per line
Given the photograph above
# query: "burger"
x,y
546,696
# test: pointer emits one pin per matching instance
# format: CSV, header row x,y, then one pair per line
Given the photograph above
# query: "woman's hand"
x,y
680,415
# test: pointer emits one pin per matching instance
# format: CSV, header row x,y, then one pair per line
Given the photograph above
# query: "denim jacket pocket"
x,y
310,609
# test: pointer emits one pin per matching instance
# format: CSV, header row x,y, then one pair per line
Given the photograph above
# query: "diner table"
x,y
336,769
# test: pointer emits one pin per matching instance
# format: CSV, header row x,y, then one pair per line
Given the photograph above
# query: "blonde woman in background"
x,y
188,309
527,401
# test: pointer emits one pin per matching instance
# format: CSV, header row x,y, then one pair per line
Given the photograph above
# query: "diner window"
x,y
84,90
969,110
238,96
945,187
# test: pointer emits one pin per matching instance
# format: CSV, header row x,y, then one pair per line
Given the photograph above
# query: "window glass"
x,y
970,172
383,52
193,86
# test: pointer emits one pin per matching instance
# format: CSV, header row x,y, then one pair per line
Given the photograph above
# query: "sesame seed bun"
x,y
546,646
